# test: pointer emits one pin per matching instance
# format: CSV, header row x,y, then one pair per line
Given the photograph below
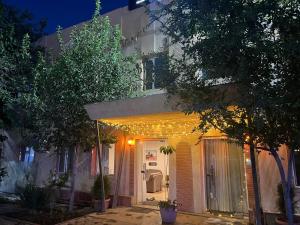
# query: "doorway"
x,y
225,176
152,172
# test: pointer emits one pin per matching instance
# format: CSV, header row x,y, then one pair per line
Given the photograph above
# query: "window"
x,y
27,155
64,161
108,160
155,68
297,167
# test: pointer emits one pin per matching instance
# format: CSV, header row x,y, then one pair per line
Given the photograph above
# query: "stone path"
x,y
142,216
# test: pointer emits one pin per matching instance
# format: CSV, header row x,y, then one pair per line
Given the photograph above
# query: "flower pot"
x,y
283,221
168,215
97,204
107,203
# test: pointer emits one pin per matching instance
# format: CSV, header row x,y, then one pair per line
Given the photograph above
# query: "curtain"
x,y
225,176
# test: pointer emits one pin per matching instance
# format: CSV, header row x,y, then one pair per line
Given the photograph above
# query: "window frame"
x,y
67,164
295,172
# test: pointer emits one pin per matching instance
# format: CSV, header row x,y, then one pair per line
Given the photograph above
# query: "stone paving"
x,y
143,216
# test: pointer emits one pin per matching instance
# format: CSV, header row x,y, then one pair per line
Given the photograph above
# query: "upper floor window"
x,y
64,161
27,155
155,68
297,167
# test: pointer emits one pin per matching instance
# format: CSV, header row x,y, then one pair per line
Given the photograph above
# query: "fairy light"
x,y
156,128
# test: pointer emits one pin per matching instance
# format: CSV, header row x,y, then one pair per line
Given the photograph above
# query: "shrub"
x,y
96,189
34,197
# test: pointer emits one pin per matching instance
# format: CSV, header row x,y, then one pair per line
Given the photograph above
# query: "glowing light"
x,y
131,142
247,138
162,125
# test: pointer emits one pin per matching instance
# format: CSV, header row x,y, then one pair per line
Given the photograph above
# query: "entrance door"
x,y
225,176
153,171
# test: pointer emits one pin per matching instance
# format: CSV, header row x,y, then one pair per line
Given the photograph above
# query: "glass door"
x,y
225,176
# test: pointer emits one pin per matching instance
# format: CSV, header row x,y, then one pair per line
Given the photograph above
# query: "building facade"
x,y
204,175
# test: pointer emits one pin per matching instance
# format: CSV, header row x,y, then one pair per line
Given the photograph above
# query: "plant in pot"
x,y
282,220
168,211
167,150
96,191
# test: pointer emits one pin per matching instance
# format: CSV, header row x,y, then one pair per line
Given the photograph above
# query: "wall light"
x,y
131,142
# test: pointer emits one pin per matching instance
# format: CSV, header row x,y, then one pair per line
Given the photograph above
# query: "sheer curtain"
x,y
225,176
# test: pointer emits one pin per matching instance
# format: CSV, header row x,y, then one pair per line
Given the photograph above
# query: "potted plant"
x,y
168,211
96,191
167,150
282,220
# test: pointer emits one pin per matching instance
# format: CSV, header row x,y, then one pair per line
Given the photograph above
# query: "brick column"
x,y
184,177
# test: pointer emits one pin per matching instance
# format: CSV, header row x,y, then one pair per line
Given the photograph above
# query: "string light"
x,y
156,128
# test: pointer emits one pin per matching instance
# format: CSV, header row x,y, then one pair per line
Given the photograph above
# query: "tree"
x,y
17,58
238,70
90,68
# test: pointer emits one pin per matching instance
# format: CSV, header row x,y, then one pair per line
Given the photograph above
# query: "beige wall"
x,y
139,35
269,178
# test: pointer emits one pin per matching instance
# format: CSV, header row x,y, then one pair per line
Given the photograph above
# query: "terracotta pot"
x,y
107,203
168,215
281,221
97,204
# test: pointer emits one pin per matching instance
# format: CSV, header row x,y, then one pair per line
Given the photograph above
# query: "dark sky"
x,y
64,12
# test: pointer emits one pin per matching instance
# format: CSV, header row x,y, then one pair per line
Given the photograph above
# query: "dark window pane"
x,y
61,162
161,69
148,76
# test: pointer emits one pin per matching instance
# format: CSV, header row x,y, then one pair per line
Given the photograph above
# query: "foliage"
x,y
17,57
167,150
238,69
53,185
89,68
107,138
56,180
96,189
236,45
34,197
168,204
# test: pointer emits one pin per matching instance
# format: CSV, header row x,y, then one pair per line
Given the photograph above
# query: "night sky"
x,y
64,12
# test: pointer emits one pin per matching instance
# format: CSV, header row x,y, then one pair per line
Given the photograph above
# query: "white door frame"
x,y
140,186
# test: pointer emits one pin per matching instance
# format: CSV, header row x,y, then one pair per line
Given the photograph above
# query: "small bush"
x,y
96,189
33,197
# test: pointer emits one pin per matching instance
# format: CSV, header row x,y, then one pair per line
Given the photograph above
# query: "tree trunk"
x,y
102,196
255,186
73,177
285,188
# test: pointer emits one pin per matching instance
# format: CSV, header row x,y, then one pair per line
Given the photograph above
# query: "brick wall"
x,y
249,177
184,177
131,171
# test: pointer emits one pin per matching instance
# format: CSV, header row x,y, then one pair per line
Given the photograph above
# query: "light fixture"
x,y
131,142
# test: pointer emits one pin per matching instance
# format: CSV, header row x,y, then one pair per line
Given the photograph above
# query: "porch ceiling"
x,y
156,125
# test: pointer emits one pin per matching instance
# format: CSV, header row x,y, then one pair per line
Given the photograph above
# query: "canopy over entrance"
x,y
150,116
157,125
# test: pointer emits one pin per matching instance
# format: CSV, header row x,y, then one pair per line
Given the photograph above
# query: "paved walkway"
x,y
142,216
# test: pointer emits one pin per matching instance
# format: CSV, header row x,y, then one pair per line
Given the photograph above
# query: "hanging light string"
x,y
156,128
